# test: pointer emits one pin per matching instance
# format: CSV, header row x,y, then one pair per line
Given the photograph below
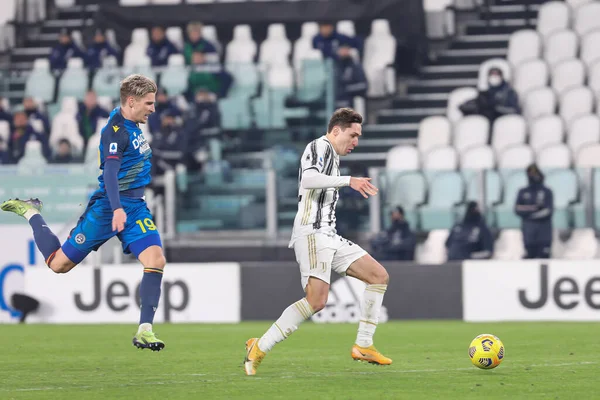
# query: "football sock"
x,y
369,314
150,294
291,317
45,240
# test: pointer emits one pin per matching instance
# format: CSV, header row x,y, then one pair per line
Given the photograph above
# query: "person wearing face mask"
x,y
471,238
33,113
163,104
169,144
398,242
63,51
498,100
4,153
351,78
202,126
535,205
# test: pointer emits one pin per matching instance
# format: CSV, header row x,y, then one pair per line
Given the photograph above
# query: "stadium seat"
x,y
554,156
166,2
65,126
477,158
505,217
446,192
440,158
4,130
553,16
509,245
561,46
575,4
209,32
538,103
523,45
583,131
40,82
269,108
484,68
567,75
589,157
174,79
33,160
433,250
568,211
111,38
529,75
235,109
587,18
590,53
409,189
508,130
276,47
242,49
575,103
471,131
380,53
106,81
312,78
346,27
142,65
434,131
594,78
303,46
74,80
456,99
174,34
582,245
515,157
402,158
546,131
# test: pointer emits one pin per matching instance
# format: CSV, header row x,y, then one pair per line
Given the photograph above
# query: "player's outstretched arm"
x,y
313,179
363,186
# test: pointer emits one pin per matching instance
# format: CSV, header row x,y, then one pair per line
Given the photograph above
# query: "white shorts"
x,y
319,253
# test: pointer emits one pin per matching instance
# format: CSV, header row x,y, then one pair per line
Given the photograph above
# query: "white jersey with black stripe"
x,y
316,207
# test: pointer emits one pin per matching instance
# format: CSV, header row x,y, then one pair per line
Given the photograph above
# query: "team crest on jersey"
x,y
80,238
112,148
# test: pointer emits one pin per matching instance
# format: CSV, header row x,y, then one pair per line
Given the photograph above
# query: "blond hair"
x,y
137,86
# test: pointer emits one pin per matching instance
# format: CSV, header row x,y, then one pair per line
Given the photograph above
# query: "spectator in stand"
x,y
202,124
169,144
163,104
500,99
329,41
351,79
64,152
196,43
398,242
160,47
535,205
88,114
471,238
207,76
5,115
33,113
21,133
4,152
63,51
99,50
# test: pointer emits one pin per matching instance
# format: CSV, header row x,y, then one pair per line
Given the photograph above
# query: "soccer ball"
x,y
486,351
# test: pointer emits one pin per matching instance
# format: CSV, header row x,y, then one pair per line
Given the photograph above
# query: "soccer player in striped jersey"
x,y
117,208
319,249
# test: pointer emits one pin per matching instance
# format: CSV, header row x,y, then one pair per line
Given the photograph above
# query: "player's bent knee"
x,y
382,277
317,304
61,268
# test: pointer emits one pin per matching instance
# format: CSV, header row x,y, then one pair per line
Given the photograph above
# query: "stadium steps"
x,y
458,65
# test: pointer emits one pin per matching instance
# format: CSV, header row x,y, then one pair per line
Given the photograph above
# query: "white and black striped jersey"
x,y
316,207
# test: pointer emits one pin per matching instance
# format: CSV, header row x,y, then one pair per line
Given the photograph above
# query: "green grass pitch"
x,y
543,361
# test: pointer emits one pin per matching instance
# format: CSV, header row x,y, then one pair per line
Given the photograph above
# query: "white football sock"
x,y
369,314
30,213
145,327
291,317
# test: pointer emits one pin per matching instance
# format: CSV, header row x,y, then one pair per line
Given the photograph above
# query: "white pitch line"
x,y
379,371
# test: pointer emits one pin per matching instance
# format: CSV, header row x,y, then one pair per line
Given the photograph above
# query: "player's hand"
x,y
119,219
363,186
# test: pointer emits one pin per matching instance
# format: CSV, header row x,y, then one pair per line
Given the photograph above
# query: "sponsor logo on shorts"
x,y
80,238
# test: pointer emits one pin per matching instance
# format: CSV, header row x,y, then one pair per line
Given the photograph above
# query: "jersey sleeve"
x,y
316,156
114,142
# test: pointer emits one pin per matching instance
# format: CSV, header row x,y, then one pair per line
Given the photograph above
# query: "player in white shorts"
x,y
319,249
